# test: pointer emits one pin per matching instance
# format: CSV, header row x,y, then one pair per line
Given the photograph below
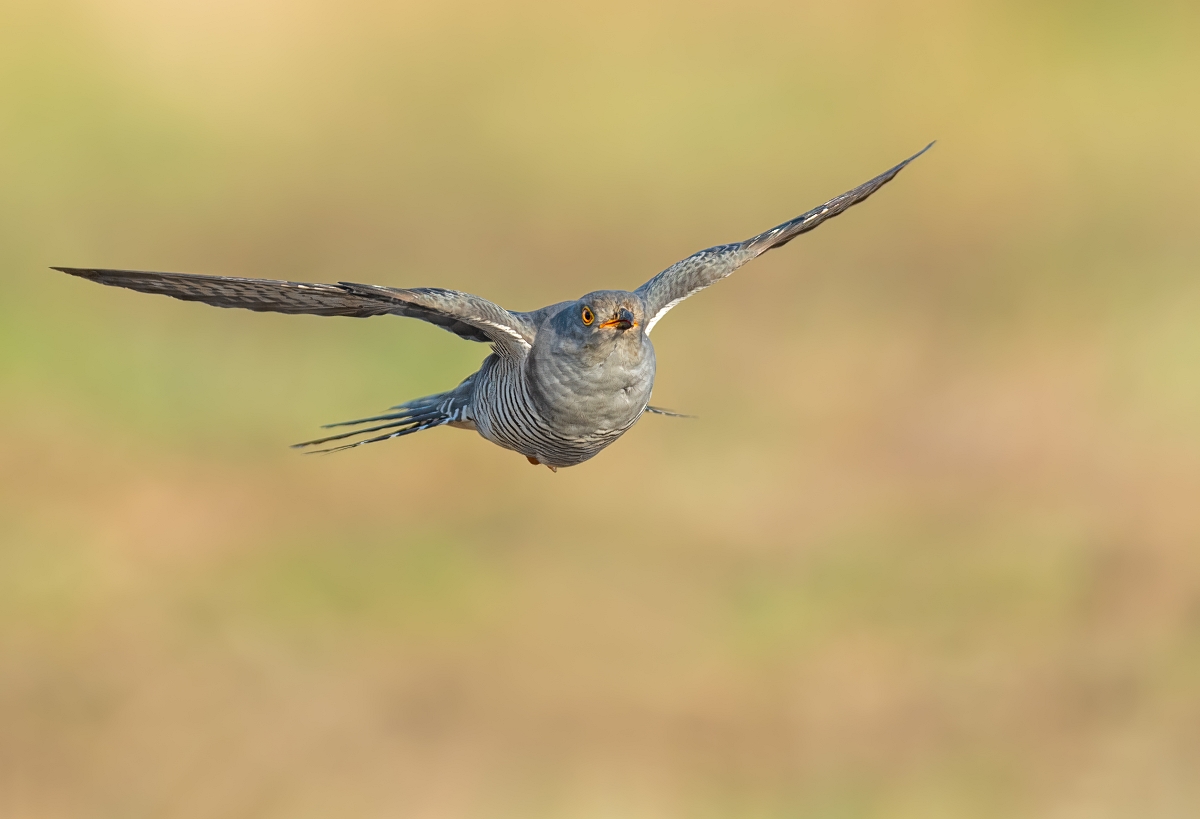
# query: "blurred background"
x,y
932,548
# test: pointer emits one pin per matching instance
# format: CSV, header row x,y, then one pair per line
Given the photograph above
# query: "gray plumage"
x,y
562,382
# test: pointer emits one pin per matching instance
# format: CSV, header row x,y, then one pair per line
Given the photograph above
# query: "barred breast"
x,y
506,412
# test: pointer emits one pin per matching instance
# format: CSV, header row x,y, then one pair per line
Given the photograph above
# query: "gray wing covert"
x,y
467,316
709,266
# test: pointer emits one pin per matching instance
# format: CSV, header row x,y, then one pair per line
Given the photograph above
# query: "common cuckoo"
x,y
561,383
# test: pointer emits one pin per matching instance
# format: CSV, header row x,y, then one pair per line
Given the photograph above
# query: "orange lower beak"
x,y
623,320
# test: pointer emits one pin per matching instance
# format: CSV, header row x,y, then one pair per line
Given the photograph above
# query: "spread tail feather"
x,y
409,417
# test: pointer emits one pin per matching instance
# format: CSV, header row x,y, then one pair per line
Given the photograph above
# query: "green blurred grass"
x,y
930,550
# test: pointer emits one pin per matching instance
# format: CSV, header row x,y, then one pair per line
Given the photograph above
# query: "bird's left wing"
x,y
468,316
698,271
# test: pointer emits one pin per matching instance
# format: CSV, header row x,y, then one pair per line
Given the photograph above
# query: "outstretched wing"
x,y
698,271
461,313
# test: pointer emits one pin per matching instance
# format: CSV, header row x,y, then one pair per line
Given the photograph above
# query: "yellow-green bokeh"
x,y
932,548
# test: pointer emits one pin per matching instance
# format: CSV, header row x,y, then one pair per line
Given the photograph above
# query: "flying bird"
x,y
561,383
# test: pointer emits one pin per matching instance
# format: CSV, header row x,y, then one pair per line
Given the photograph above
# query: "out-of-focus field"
x,y
932,549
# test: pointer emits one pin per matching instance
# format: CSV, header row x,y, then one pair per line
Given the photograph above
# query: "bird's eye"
x,y
588,316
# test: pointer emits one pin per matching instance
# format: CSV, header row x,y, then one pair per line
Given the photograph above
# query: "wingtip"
x,y
918,154
890,174
81,272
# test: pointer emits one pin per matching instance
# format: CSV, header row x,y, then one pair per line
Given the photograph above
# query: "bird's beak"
x,y
623,320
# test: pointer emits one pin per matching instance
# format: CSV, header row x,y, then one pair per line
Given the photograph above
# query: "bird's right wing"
x,y
465,315
698,271
462,313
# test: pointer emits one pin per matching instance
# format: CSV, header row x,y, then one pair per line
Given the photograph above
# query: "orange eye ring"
x,y
588,316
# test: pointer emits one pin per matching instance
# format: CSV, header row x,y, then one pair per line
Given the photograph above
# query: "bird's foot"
x,y
536,462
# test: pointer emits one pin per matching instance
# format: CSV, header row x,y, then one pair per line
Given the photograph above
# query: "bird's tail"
x,y
402,419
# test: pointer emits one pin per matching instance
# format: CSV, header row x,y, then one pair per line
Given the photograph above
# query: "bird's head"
x,y
598,324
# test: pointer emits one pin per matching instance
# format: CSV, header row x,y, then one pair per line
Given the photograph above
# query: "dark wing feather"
x,y
511,333
465,315
709,266
262,295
